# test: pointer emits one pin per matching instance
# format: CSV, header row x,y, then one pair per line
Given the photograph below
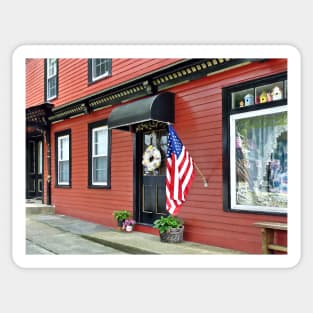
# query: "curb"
x,y
118,246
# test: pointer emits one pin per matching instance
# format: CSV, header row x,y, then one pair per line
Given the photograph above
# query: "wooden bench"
x,y
267,231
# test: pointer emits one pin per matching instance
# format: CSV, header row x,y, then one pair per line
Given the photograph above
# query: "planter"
x,y
129,228
174,235
120,223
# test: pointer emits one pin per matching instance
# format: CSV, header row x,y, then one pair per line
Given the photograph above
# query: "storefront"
x,y
231,115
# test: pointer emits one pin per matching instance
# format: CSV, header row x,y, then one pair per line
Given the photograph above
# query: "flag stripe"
x,y
179,173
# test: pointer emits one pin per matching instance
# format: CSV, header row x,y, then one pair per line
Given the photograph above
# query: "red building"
x,y
90,120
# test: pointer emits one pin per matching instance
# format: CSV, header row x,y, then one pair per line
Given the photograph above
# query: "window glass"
x,y
100,169
51,78
100,68
64,171
40,157
100,141
99,155
260,159
63,160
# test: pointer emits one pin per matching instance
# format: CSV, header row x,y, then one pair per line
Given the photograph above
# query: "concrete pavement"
x,y
41,238
59,234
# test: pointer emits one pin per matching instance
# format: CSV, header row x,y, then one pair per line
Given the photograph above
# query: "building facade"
x,y
89,121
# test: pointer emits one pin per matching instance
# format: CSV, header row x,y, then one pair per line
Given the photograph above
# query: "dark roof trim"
x,y
38,115
145,85
158,108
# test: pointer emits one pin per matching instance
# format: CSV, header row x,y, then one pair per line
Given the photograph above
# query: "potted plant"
x,y
121,216
128,224
171,228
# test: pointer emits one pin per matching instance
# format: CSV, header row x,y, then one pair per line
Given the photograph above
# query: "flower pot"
x,y
129,228
173,235
120,223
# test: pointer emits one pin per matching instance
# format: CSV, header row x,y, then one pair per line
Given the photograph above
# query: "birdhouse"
x,y
263,97
277,93
249,99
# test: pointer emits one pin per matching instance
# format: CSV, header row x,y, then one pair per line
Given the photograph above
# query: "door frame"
x,y
36,194
137,171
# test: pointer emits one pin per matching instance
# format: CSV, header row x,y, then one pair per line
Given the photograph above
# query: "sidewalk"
x,y
113,240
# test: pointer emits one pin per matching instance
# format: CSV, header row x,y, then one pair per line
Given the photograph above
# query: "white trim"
x,y
60,138
40,157
93,155
233,183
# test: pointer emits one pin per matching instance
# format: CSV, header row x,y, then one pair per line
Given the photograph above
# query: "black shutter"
x,y
89,71
57,79
45,80
110,67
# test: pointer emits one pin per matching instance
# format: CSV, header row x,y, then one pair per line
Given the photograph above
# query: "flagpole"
x,y
205,182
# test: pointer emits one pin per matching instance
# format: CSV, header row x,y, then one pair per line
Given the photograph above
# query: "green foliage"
x,y
121,215
166,223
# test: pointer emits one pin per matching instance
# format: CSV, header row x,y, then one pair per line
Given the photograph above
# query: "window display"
x,y
260,94
260,178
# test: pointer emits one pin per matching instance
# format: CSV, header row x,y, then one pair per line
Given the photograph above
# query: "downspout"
x,y
48,140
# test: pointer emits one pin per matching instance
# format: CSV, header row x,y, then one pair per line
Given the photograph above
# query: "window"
x,y
99,155
51,78
63,158
98,69
255,152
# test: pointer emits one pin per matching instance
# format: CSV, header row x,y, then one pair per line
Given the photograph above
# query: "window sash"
x,y
39,145
100,68
233,166
51,78
51,67
63,160
99,170
99,152
63,172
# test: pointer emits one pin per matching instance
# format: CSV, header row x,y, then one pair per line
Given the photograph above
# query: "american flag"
x,y
179,172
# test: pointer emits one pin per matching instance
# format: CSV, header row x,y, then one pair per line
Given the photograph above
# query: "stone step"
x,y
39,208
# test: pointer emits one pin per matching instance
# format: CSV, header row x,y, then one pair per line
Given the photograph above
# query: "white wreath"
x,y
151,158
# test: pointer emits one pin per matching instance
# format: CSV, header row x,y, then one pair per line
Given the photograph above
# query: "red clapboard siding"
x,y
199,124
34,82
73,76
198,115
94,204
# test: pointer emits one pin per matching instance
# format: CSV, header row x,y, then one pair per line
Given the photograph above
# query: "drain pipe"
x,y
48,140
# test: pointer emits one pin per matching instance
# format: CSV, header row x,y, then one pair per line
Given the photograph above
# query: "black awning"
x,y
155,108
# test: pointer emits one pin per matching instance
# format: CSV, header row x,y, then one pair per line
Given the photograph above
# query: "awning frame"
x,y
158,108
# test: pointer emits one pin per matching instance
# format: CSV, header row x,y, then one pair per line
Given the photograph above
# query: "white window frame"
x,y
93,70
93,155
52,72
39,151
60,138
233,182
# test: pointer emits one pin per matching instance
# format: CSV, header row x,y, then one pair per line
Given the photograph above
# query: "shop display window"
x,y
255,146
259,95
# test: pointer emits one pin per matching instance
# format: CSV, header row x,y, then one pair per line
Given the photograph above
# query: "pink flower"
x,y
128,222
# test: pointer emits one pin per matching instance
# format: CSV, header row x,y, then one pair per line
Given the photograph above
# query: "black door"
x,y
34,168
152,200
